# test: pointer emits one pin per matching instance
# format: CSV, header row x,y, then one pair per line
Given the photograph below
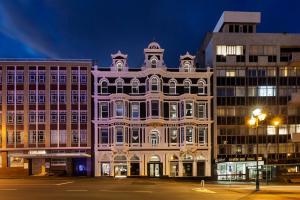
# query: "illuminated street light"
x,y
256,116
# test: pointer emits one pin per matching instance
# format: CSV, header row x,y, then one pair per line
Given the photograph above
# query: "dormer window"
x,y
119,66
172,87
119,84
187,66
104,87
154,84
201,86
135,86
186,85
153,62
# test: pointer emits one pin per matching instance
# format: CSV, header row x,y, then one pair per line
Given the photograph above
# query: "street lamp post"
x,y
256,116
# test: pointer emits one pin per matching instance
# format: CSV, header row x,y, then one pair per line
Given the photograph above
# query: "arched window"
x,y
187,66
119,66
154,137
104,87
119,84
187,87
153,62
135,86
172,87
155,84
201,87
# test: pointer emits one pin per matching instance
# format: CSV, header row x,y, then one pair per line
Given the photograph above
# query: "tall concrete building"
x,y
152,121
252,70
45,117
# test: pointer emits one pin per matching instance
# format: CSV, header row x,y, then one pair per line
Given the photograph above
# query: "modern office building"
x,y
252,70
45,117
152,121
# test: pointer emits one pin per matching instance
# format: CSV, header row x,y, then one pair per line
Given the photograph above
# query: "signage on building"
x,y
37,152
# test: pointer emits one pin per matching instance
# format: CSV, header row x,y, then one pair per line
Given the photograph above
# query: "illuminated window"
x,y
230,73
119,66
271,130
189,134
135,110
229,50
119,108
154,138
266,91
173,110
189,109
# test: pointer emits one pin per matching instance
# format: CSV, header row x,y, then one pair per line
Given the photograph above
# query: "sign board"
x,y
47,165
25,165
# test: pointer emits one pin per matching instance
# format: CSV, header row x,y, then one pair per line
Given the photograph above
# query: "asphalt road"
x,y
135,189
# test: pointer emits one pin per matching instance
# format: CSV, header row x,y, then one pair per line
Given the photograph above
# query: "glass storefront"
x,y
154,169
174,168
238,170
120,170
105,169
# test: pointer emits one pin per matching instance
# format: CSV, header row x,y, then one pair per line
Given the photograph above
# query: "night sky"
x,y
94,29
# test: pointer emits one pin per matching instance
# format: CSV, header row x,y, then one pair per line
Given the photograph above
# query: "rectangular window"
x,y
103,110
173,135
229,50
83,96
189,135
173,110
201,110
83,137
135,110
62,117
53,96
271,130
135,136
75,137
230,73
104,135
53,137
74,97
188,109
62,137
119,135
53,116
74,118
266,91
83,117
42,77
202,135
155,108
119,108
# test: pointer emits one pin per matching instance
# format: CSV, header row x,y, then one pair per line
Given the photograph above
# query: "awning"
x,y
51,155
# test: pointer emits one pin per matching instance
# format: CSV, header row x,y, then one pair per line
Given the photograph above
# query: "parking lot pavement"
x,y
139,188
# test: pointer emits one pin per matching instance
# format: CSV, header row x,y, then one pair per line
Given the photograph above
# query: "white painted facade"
x,y
153,121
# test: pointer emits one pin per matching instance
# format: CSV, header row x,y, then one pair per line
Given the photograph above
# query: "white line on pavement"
x,y
122,191
8,189
64,183
76,190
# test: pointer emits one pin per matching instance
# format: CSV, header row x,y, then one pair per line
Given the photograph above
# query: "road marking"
x,y
122,191
203,190
64,183
76,190
8,189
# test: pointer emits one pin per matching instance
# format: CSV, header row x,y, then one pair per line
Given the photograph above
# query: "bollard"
x,y
202,184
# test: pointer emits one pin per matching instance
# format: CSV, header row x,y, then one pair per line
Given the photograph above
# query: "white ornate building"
x,y
152,121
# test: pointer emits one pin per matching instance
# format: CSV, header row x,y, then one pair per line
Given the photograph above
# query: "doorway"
x,y
201,168
120,170
134,169
188,169
154,169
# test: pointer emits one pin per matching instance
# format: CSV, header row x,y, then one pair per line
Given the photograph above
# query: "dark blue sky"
x,y
96,28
